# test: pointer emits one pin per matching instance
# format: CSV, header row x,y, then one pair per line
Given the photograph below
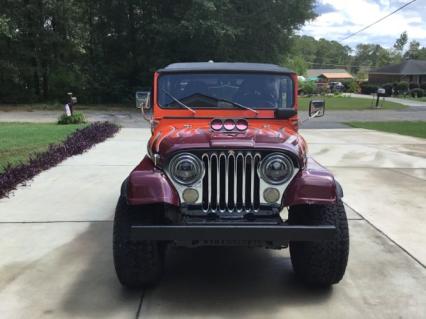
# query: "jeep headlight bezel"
x,y
186,169
276,169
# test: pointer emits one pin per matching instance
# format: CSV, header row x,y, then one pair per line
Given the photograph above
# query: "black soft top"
x,y
224,67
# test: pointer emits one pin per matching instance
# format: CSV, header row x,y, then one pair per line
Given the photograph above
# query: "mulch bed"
x,y
77,143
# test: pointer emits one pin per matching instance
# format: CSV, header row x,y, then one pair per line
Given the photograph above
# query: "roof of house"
x,y
408,67
311,73
224,67
336,75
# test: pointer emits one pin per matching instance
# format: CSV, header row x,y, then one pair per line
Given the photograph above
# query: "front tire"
x,y
320,262
137,264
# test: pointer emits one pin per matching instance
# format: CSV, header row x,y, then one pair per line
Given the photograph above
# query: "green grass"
x,y
419,99
416,129
19,140
60,107
347,103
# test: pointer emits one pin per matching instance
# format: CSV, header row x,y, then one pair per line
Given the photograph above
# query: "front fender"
x,y
148,185
313,185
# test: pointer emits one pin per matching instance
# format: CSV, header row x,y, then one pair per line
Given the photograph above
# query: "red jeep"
x,y
225,162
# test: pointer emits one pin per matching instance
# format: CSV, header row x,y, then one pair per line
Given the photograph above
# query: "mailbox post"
x,y
381,92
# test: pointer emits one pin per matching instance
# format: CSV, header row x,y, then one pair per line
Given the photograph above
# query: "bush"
x,y
389,88
369,88
322,89
402,87
417,92
351,86
76,118
413,85
308,87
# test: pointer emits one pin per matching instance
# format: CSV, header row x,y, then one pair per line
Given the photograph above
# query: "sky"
x,y
339,18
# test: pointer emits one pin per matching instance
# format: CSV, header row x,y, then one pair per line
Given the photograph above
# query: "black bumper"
x,y
283,232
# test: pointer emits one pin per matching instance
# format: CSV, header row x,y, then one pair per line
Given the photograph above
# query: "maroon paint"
x,y
148,185
179,139
313,185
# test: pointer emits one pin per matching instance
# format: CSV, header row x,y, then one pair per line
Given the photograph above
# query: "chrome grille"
x,y
231,183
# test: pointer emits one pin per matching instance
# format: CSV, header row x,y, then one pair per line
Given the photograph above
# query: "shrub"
x,y
417,92
322,89
351,86
77,143
76,118
402,87
308,87
389,88
368,88
413,85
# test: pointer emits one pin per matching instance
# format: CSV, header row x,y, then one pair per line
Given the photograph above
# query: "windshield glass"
x,y
229,90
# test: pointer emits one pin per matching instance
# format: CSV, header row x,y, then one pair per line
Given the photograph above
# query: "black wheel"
x,y
137,264
320,262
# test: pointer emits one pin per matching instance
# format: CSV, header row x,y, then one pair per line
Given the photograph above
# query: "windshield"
x,y
229,90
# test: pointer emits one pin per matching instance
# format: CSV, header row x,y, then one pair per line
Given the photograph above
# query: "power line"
x,y
381,19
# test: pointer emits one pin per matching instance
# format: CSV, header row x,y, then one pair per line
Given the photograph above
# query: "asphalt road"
x,y
57,230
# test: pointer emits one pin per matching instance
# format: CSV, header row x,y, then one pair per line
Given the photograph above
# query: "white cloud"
x,y
352,15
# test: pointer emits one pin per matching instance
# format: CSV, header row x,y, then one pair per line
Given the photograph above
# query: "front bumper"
x,y
242,232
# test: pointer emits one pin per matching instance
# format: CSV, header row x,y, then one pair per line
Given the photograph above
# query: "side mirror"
x,y
316,108
146,108
141,98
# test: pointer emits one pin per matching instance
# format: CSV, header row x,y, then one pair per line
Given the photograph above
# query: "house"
x,y
328,75
413,71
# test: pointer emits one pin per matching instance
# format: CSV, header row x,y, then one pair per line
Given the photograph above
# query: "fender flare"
x,y
148,185
339,189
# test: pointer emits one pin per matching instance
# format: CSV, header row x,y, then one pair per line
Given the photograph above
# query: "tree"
x,y
104,50
297,64
414,51
401,42
319,54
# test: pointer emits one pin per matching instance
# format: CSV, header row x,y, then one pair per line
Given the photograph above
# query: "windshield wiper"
x,y
230,102
239,105
179,102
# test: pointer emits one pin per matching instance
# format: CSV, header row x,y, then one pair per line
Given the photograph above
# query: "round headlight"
x,y
276,169
186,169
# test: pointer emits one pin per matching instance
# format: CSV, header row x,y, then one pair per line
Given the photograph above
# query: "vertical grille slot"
x,y
231,182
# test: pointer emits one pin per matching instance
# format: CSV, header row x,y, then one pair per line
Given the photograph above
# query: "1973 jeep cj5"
x,y
224,160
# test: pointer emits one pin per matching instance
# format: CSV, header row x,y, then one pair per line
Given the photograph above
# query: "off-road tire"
x,y
137,264
320,262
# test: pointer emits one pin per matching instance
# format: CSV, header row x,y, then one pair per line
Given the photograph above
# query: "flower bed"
x,y
77,143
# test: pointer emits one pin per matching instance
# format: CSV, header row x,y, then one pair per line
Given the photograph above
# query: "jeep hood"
x,y
171,139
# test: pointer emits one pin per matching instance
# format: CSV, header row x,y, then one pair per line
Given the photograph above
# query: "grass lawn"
x,y
416,129
419,99
347,103
60,107
19,140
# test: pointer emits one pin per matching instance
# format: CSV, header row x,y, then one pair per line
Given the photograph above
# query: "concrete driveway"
x,y
56,237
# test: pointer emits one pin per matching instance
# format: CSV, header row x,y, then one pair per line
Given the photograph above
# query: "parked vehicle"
x,y
224,159
336,87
